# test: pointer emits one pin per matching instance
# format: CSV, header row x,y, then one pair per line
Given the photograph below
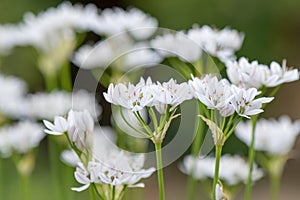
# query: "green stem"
x,y
275,185
217,166
65,77
51,82
97,192
113,192
192,182
153,116
92,193
54,168
1,178
25,191
160,175
251,159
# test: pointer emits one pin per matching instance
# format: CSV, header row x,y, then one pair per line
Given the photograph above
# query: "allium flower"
x,y
109,52
245,103
20,138
12,99
233,169
220,43
117,20
69,157
10,37
130,97
58,103
177,45
252,74
275,137
213,93
59,126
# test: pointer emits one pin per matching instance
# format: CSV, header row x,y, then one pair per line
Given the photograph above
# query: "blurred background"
x,y
271,28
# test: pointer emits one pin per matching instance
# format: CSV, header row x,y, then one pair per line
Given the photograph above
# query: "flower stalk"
x,y
160,175
217,166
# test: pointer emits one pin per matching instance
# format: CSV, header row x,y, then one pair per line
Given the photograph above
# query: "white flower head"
x,y
80,128
233,169
20,137
213,93
177,45
246,74
13,101
245,102
275,137
69,157
138,24
220,43
133,97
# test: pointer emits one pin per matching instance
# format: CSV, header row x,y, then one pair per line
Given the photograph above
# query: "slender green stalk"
x,y
275,185
251,159
192,182
54,168
160,175
1,178
92,193
97,192
217,166
25,190
113,192
51,82
65,77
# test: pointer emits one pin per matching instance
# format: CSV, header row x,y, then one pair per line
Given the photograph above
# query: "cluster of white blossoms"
x,y
275,137
16,103
147,94
20,137
106,163
13,91
233,169
226,98
188,46
252,74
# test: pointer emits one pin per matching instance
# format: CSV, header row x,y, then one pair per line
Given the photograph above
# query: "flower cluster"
x,y
252,74
20,138
233,169
97,158
275,137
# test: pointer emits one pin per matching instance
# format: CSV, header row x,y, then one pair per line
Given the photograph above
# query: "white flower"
x,y
252,74
177,45
58,103
246,74
10,37
278,75
219,192
170,93
213,93
69,157
220,43
117,20
233,169
80,128
131,97
110,53
245,103
59,126
275,137
12,99
20,137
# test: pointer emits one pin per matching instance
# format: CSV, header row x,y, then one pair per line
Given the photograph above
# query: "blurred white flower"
x,y
245,103
275,137
58,103
233,169
138,24
219,192
252,74
69,157
109,52
177,45
20,137
12,99
219,43
10,37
